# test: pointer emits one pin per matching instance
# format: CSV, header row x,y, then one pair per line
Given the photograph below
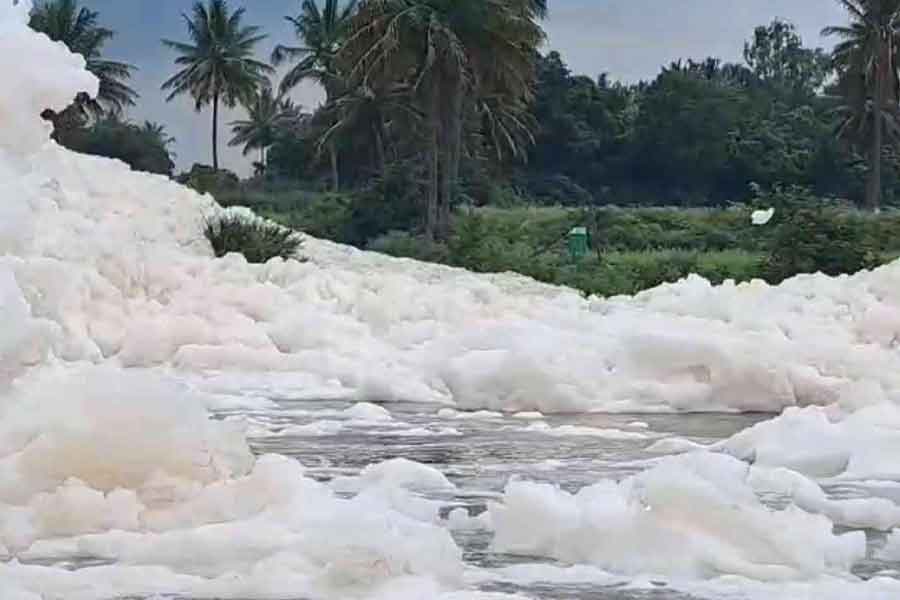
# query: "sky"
x,y
629,39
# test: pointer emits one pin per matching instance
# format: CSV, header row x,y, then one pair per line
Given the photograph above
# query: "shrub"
x,y
204,179
813,234
257,239
124,141
321,215
389,203
404,245
813,239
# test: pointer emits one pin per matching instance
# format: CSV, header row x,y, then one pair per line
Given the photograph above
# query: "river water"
x,y
481,452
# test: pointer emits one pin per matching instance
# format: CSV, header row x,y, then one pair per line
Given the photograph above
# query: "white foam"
x,y
861,445
366,411
891,549
693,515
579,431
397,472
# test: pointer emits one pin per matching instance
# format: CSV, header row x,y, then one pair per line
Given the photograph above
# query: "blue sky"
x,y
629,39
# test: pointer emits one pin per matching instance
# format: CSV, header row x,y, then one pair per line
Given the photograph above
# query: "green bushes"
x,y
483,243
205,179
631,272
814,239
811,235
700,230
257,239
632,250
142,148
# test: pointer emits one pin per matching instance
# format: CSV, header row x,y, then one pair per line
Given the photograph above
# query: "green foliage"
x,y
815,236
866,60
637,249
700,230
218,64
142,148
257,239
206,180
79,29
405,245
777,57
388,203
267,114
696,135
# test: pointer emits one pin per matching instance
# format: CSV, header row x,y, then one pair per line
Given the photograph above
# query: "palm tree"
x,y
268,114
370,114
867,62
463,55
157,132
321,33
78,28
218,65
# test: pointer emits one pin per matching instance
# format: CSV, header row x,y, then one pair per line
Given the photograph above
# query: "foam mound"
x,y
692,516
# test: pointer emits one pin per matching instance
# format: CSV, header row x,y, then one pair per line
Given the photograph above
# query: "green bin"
x,y
578,243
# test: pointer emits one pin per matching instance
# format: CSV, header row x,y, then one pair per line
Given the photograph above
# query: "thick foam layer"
x,y
693,516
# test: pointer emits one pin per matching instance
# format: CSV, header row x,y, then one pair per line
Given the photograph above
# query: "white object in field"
x,y
762,217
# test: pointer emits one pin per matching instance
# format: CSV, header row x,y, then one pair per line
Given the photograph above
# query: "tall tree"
x,y
777,57
321,33
866,59
79,29
457,56
267,114
218,65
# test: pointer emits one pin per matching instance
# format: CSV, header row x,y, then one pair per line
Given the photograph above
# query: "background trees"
x,y
80,30
218,65
456,58
321,33
267,113
866,59
460,97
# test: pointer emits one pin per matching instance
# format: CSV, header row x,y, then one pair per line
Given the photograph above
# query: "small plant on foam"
x,y
259,240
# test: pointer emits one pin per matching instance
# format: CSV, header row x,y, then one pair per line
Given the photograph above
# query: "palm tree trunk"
x,y
446,189
431,208
215,132
335,173
873,188
455,148
380,154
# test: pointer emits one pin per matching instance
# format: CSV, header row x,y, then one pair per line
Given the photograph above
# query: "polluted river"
x,y
177,426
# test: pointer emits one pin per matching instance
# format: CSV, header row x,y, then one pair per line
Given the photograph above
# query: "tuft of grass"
x,y
257,239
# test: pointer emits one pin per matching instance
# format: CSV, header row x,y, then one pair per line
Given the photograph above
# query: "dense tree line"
x,y
697,135
454,101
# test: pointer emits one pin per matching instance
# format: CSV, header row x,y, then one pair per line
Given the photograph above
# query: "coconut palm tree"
x,y
217,66
462,55
79,29
267,114
371,114
157,131
321,33
866,59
